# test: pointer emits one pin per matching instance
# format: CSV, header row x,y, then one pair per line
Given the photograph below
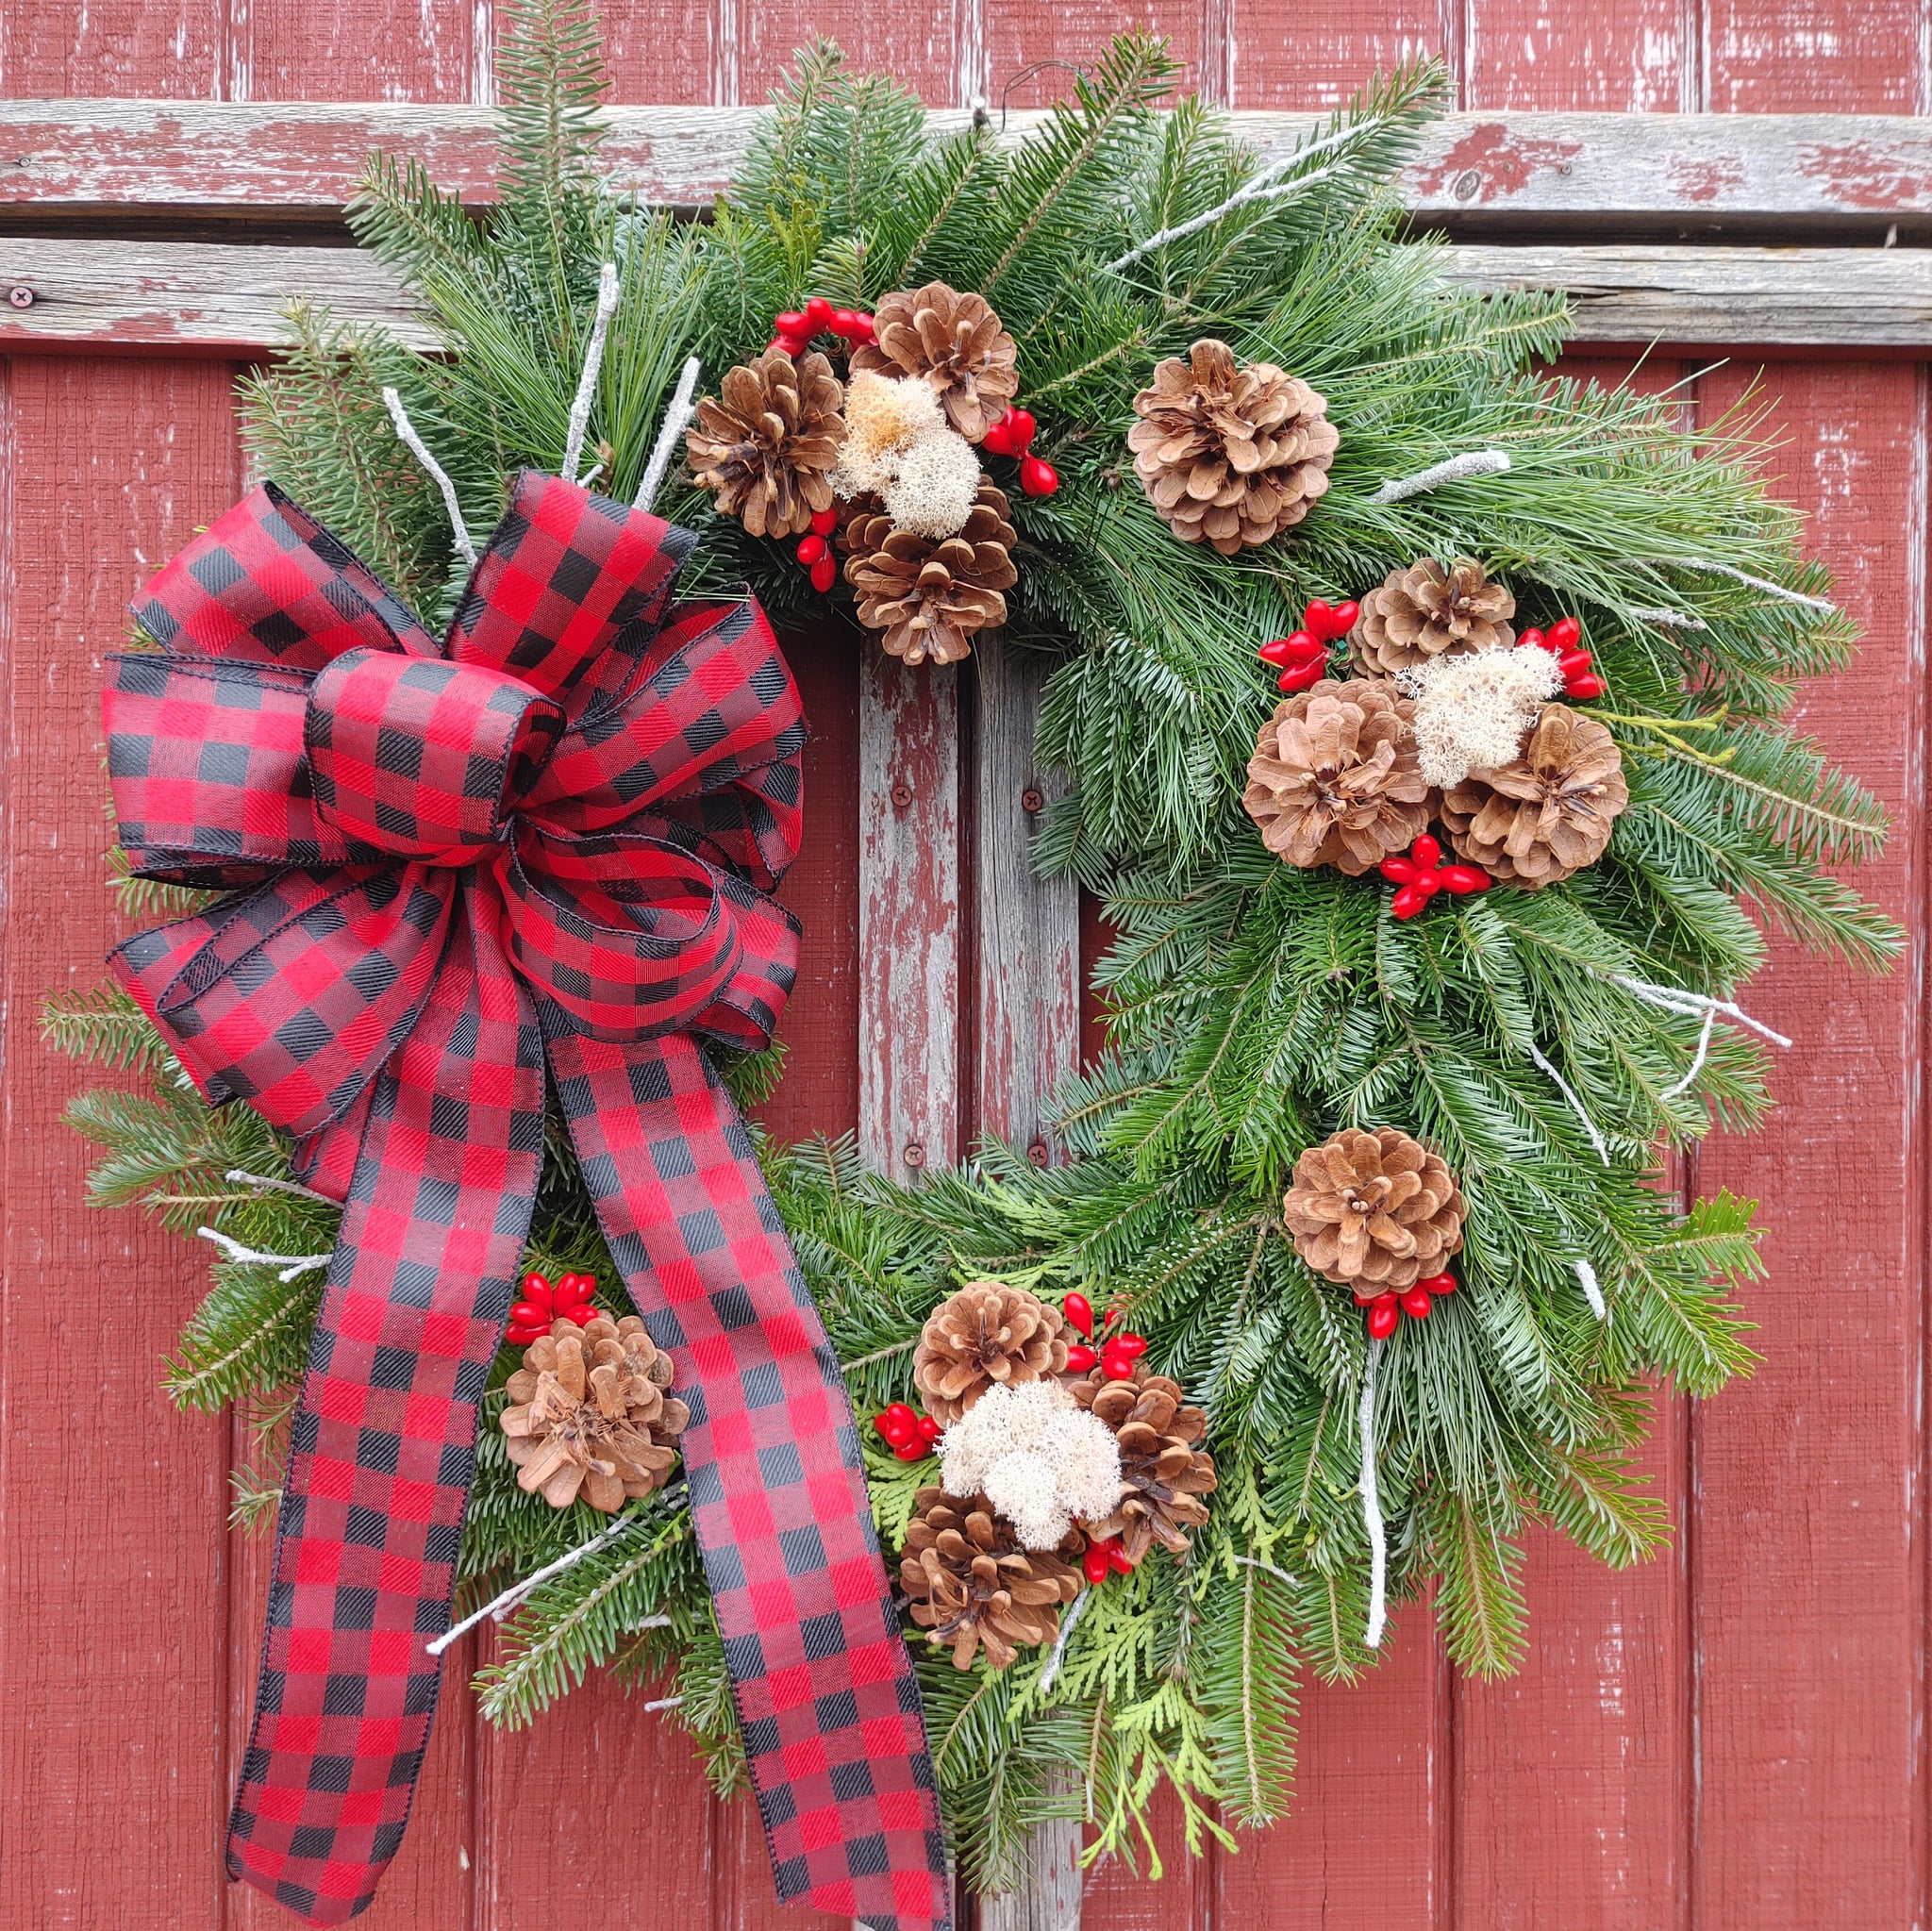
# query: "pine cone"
x,y
766,448
930,596
986,1333
1229,455
1163,1473
1550,812
971,1583
1425,610
1376,1210
955,343
589,1414
1335,779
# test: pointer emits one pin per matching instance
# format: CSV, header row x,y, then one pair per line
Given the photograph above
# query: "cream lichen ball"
x,y
1472,712
1040,1458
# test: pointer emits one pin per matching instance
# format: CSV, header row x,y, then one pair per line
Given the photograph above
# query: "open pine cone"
x,y
589,1415
766,447
1164,1472
955,341
973,1585
1335,779
1230,455
1548,814
929,596
1376,1210
986,1333
1421,612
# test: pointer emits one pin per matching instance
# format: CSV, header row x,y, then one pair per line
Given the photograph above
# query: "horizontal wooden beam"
x,y
226,299
1663,173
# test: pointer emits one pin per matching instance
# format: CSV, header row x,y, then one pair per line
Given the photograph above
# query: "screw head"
x,y
914,1155
1467,185
902,794
20,297
1032,801
1038,1154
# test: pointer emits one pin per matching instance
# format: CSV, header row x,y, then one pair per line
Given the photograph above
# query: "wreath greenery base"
x,y
1254,1009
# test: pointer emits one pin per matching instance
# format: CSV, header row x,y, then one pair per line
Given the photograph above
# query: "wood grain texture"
x,y
171,49
1808,1566
1846,57
910,991
1625,56
112,1505
376,50
1316,58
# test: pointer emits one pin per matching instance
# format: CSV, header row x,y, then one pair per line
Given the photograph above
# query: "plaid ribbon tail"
x,y
826,1694
383,1452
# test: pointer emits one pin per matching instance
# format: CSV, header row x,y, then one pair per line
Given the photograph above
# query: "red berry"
x,y
583,1316
1408,902
1020,429
1464,878
1080,1358
574,1288
1383,1317
912,1451
1117,1366
929,1429
1304,676
1344,617
791,322
818,314
1428,884
1535,638
1398,871
999,439
1585,688
842,323
526,1314
1079,1311
824,574
811,549
1038,478
523,1337
1132,1345
1094,1563
1117,1557
903,1411
863,326
1573,663
536,1288
1439,1284
824,522
1416,1302
1566,633
1427,853
882,1423
1318,617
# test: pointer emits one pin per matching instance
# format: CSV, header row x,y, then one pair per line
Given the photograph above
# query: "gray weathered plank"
x,y
227,299
259,161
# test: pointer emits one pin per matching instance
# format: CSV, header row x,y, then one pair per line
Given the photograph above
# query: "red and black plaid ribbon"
x,y
550,838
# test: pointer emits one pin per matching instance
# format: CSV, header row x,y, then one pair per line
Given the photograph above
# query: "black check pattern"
x,y
559,827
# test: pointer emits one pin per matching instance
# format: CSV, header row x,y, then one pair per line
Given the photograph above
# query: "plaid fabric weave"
x,y
552,837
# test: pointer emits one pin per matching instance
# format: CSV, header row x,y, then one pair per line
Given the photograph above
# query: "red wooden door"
x,y
1733,1737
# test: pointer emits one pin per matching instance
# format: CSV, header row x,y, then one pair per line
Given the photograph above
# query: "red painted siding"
x,y
1730,1738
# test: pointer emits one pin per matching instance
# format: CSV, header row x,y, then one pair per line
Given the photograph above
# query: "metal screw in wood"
x,y
20,296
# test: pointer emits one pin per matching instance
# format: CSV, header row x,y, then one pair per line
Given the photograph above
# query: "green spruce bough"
x,y
1255,1009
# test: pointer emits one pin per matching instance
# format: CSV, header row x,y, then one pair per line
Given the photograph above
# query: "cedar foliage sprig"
x,y
1253,1009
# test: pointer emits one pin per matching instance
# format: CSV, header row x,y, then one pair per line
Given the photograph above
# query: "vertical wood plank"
x,y
166,48
1808,1573
1825,56
908,914
111,1504
1020,31
1619,57
1318,57
386,50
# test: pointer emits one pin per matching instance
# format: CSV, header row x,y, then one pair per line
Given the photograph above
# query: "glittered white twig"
x,y
1692,1005
1256,1562
1592,1292
1596,1139
593,362
1372,1508
675,418
1643,613
1257,190
242,1178
519,1593
664,1703
1770,588
406,430
1474,462
1059,1647
291,1264
1671,1092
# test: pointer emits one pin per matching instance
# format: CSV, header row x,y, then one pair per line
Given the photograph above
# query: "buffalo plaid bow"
x,y
549,839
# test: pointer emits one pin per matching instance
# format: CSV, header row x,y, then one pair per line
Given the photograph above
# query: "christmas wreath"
x,y
1421,714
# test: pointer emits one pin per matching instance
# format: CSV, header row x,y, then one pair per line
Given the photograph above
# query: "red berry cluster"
x,y
1013,434
569,1300
796,328
1303,655
1422,875
910,1436
1117,1351
815,551
1103,1559
1386,1310
1563,640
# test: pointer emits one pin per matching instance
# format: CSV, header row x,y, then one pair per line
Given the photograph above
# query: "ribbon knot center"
x,y
424,757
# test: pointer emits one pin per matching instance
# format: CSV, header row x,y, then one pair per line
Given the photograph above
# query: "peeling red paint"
x,y
1701,181
1863,174
1506,163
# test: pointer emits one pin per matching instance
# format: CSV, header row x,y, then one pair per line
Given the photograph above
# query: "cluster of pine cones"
x,y
970,1582
1336,777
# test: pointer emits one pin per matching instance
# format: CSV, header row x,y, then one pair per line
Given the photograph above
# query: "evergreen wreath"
x,y
1278,1033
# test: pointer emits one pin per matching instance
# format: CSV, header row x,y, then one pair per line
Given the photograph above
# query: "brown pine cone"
x,y
1335,777
589,1415
1378,1211
971,1584
766,448
1425,610
987,1332
955,343
1549,813
1163,1473
1227,454
929,596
